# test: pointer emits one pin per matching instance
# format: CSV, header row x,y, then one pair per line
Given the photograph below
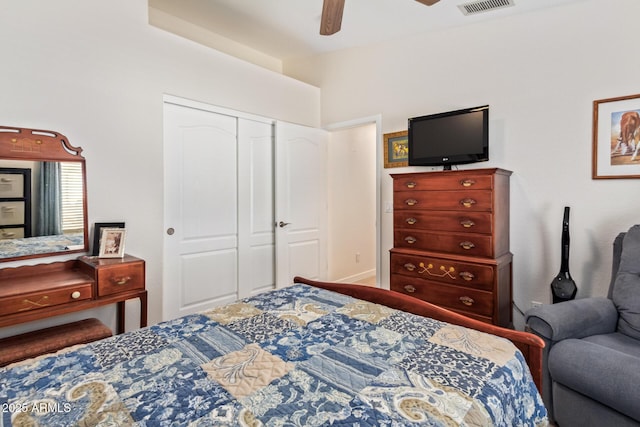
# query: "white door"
x,y
256,239
301,203
200,258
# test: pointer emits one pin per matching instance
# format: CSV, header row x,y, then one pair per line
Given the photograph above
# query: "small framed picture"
x,y
97,234
396,149
112,243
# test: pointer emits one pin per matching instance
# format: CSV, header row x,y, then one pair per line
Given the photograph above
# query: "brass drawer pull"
x,y
467,275
411,184
410,240
467,182
411,202
444,271
42,302
467,203
411,221
468,301
409,266
467,223
467,245
121,280
410,289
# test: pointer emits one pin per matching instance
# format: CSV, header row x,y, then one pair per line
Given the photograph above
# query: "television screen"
x,y
453,137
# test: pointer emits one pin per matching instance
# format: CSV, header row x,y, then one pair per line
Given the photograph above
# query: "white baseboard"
x,y
357,277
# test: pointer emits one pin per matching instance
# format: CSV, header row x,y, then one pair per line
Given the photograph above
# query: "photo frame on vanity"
x,y
616,138
97,234
112,243
396,149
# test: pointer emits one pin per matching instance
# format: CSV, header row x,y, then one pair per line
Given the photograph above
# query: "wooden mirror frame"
x,y
44,145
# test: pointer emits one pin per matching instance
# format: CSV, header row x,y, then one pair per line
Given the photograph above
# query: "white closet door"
x,y
301,203
223,188
201,210
256,240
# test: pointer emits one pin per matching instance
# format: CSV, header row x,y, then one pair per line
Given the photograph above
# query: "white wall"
x,y
96,72
172,23
540,73
352,203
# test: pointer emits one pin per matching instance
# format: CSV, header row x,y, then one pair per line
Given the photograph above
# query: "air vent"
x,y
475,7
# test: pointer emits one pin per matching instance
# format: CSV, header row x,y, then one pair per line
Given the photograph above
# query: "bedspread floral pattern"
x,y
298,356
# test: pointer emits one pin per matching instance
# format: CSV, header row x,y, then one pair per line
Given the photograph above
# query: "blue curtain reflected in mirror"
x,y
49,200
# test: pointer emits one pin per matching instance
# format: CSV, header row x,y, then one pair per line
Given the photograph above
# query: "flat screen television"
x,y
450,138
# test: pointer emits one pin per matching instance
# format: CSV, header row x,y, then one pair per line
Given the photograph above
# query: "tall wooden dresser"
x,y
451,241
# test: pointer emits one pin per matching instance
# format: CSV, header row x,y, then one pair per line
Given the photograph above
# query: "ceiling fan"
x,y
332,15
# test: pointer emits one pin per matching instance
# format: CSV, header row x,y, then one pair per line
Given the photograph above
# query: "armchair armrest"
x,y
573,319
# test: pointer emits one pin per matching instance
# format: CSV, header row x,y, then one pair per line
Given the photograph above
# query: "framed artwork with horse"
x,y
616,137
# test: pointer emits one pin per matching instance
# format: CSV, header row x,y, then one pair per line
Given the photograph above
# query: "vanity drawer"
x,y
463,222
455,297
11,213
476,276
120,278
41,299
11,233
463,200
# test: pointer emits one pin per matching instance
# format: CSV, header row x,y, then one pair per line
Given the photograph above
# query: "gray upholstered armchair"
x,y
591,365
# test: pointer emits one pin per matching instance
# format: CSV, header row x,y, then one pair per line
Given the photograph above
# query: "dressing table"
x,y
34,292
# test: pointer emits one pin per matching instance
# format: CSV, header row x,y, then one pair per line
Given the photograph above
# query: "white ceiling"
x,y
290,28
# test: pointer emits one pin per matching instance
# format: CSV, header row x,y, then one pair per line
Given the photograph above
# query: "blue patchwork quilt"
x,y
299,356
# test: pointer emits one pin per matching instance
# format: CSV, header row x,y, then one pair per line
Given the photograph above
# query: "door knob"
x,y
170,231
283,224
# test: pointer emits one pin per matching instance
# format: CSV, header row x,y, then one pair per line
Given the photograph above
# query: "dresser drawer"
x,y
458,298
11,213
462,222
476,276
41,299
442,182
463,200
11,185
479,245
11,233
120,278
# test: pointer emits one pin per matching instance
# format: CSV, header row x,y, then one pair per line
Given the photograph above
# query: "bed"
x,y
314,353
40,245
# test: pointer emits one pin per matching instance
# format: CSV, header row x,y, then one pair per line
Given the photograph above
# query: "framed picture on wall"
x,y
112,243
396,149
616,138
97,234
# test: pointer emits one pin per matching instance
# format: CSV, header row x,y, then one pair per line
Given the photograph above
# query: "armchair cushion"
x,y
618,342
573,319
626,291
616,382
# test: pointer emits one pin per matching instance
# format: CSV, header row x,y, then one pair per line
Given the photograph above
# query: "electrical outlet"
x,y
535,304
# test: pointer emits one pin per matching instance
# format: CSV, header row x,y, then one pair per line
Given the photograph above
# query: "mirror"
x,y
43,208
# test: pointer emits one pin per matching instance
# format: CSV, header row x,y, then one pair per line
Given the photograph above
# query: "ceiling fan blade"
x,y
331,17
428,2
